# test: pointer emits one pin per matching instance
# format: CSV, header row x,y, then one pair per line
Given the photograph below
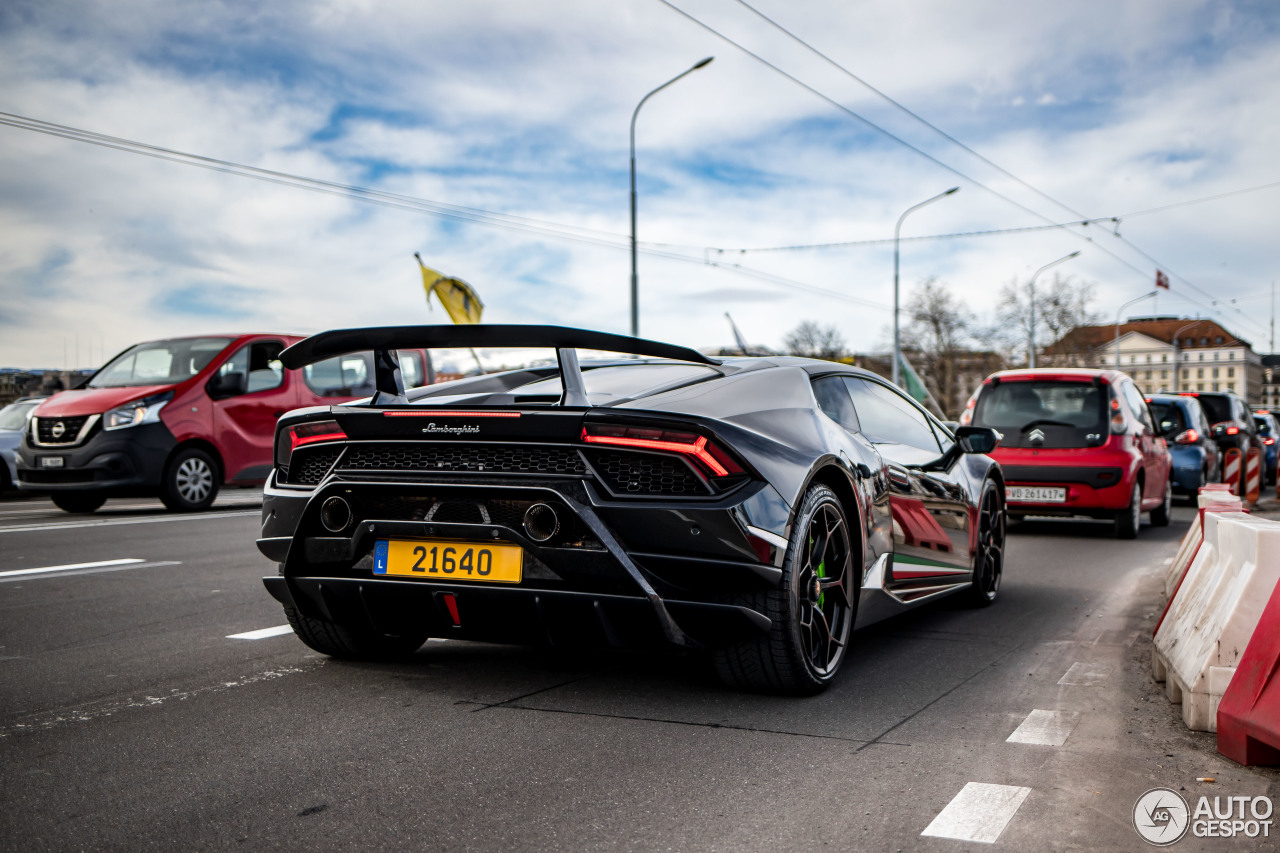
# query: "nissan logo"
x,y
58,429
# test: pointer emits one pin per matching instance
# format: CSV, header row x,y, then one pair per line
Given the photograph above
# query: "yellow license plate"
x,y
438,559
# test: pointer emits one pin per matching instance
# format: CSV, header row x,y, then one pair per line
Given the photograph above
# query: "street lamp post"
x,y
1119,311
1031,358
635,278
897,341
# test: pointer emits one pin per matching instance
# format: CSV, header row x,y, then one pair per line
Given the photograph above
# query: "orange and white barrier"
x,y
1215,611
1253,475
1231,470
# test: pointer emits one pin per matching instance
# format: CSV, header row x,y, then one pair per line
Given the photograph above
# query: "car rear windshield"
x,y
623,380
1067,414
1216,409
1264,426
159,362
1168,416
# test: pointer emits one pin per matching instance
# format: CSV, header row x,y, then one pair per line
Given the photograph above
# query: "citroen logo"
x,y
58,429
1036,436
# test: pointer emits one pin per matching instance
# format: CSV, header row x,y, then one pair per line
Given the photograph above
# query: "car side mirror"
x,y
975,439
224,385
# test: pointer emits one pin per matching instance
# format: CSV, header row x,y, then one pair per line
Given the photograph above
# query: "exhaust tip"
x,y
335,514
541,522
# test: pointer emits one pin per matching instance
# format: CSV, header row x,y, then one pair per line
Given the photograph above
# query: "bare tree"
x,y
939,330
1061,305
814,341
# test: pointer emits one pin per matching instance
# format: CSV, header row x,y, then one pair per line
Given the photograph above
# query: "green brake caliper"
x,y
822,573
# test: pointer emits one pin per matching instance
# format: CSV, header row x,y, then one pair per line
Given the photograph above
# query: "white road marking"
x,y
980,812
1086,674
91,569
262,633
71,525
1046,728
69,566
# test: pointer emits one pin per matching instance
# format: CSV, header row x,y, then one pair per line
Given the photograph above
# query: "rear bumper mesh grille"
x,y
468,458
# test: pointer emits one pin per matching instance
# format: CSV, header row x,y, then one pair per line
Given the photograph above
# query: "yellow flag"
x,y
458,298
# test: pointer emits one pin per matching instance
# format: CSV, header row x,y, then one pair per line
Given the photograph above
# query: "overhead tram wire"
x,y
815,51
891,136
398,201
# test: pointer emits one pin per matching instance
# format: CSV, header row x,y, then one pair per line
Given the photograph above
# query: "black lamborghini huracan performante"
x,y
756,508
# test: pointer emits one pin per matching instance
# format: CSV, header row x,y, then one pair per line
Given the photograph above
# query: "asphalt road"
x,y
132,719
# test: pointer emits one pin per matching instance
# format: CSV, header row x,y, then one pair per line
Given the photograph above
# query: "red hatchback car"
x,y
1077,443
179,418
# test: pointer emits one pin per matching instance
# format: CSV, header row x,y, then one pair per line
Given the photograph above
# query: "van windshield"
x,y
159,362
1066,414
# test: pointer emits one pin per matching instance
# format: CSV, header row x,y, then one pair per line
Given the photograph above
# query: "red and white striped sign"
x,y
1253,475
1231,469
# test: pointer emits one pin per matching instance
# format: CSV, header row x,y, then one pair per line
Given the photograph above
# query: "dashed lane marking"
x,y
980,812
72,525
69,566
262,633
1086,674
1045,728
82,569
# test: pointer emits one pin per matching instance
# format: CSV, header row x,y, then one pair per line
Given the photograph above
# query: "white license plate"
x,y
1036,495
51,461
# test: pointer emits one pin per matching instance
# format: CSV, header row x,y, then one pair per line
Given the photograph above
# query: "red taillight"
x,y
449,413
1233,430
1188,437
313,432
715,460
1268,441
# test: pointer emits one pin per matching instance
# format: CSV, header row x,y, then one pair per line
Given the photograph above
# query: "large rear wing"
x,y
385,340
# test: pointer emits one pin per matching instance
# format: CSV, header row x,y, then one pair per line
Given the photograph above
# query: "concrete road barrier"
x,y
1249,714
1214,612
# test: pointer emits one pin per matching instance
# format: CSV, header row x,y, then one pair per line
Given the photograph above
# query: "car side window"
x,y
886,417
258,364
833,399
1137,405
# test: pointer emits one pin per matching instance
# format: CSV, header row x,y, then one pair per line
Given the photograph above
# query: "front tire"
x,y
988,562
812,608
343,641
190,481
1129,519
1160,515
77,502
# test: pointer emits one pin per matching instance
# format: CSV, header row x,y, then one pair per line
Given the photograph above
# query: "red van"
x,y
179,418
1077,443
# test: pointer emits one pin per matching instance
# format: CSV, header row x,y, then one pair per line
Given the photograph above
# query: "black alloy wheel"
x,y
352,642
812,608
988,562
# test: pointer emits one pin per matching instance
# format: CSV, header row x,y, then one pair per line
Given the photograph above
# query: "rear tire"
x,y
988,563
77,502
190,481
1130,518
342,641
812,608
1160,515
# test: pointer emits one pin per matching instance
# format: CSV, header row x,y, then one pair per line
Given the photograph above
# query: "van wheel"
x,y
77,501
190,481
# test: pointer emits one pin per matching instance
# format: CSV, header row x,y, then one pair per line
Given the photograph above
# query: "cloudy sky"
x,y
501,126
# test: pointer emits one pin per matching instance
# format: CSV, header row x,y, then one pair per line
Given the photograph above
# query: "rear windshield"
x,y
1264,426
1067,414
1168,416
625,380
1216,409
159,362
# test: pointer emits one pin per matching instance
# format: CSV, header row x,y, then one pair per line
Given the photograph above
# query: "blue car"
x,y
1196,457
1268,431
